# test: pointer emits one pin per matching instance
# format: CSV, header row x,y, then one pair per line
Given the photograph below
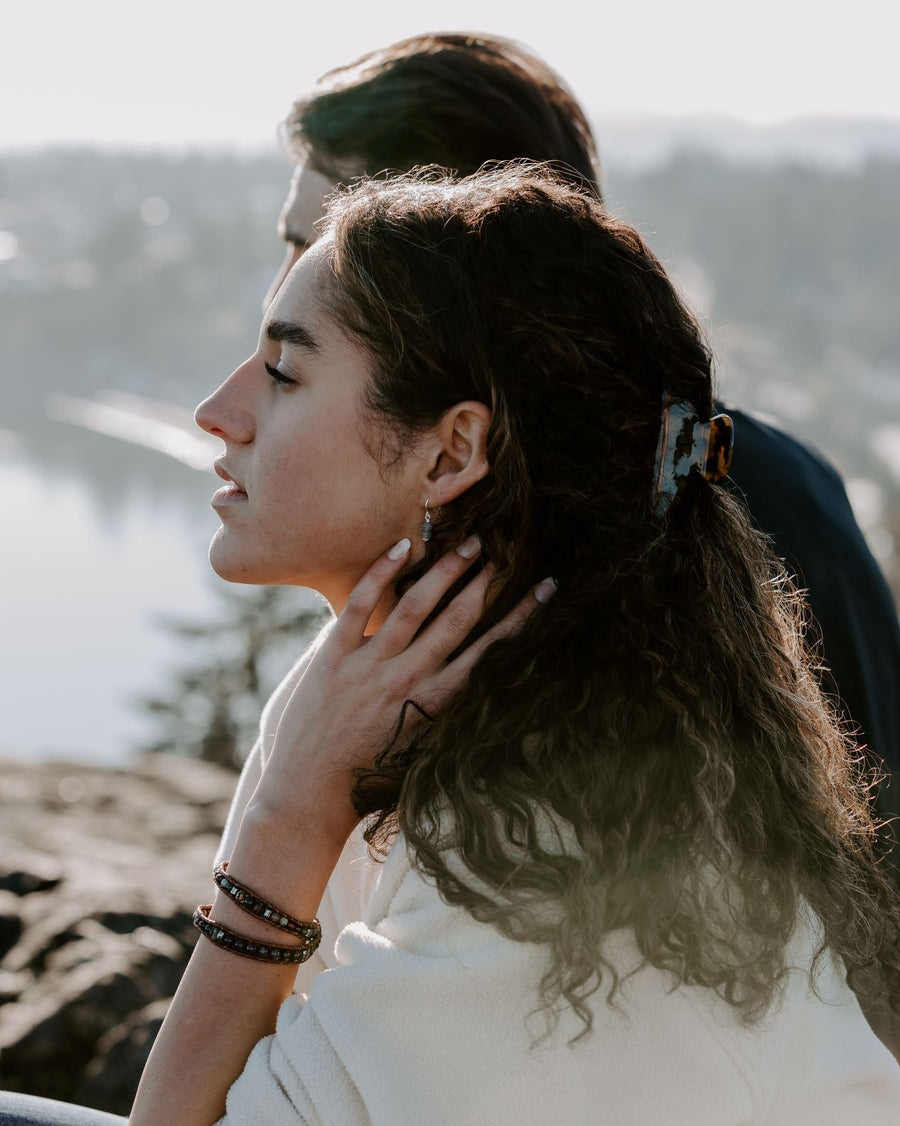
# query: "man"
x,y
454,100
458,101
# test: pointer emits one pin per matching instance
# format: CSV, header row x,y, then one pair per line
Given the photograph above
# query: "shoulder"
x,y
798,499
437,1018
431,1016
767,457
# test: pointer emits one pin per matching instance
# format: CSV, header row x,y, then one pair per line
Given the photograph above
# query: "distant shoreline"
x,y
632,142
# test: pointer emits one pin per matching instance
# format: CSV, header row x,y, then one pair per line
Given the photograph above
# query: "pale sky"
x,y
183,72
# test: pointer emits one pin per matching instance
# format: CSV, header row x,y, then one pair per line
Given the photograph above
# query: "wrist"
x,y
287,859
306,782
323,818
291,841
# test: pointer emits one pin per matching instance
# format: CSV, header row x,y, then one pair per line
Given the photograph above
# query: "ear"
x,y
457,452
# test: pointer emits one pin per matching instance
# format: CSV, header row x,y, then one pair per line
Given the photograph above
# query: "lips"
x,y
226,476
233,493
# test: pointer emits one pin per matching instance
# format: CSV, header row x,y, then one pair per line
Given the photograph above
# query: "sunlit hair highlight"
x,y
652,750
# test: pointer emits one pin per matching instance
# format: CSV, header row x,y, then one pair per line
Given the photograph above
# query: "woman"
x,y
626,871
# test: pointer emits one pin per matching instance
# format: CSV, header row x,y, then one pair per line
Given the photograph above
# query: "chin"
x,y
232,574
240,567
232,566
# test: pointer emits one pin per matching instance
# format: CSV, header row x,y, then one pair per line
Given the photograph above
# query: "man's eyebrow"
x,y
291,333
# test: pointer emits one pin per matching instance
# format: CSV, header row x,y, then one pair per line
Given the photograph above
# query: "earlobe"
x,y
460,459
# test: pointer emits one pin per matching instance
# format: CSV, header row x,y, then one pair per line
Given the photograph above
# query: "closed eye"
x,y
280,377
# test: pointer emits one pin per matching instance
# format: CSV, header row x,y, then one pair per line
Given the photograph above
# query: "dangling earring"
x,y
426,526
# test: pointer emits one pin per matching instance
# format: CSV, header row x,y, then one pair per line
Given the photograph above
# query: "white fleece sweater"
x,y
414,1014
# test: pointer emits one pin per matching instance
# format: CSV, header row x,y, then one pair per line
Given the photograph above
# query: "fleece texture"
x,y
414,1014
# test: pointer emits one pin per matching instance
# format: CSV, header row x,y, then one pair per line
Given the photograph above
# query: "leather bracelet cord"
x,y
236,943
255,905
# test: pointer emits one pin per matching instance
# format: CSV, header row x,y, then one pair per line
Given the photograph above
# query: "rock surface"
x,y
100,871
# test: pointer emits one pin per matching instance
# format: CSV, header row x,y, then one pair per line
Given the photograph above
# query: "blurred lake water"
x,y
81,588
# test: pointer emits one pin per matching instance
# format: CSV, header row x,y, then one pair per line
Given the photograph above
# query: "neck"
x,y
338,593
387,603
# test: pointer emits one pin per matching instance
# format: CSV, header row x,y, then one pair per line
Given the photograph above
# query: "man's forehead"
x,y
304,204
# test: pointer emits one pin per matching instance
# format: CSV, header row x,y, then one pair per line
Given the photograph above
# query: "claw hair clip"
x,y
687,444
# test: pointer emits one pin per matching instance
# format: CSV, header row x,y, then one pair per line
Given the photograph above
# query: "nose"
x,y
228,412
292,255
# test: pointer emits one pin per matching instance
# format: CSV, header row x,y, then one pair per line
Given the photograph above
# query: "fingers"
x,y
456,672
420,600
424,656
368,592
455,622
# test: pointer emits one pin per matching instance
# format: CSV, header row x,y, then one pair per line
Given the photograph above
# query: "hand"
x,y
348,702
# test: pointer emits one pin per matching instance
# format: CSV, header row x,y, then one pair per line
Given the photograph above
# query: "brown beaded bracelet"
x,y
249,901
248,947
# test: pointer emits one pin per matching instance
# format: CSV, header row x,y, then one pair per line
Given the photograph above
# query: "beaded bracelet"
x,y
249,901
248,947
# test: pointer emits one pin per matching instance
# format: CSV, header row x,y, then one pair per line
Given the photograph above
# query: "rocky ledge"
x,y
100,871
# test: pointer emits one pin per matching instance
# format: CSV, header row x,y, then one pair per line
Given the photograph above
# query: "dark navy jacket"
x,y
799,499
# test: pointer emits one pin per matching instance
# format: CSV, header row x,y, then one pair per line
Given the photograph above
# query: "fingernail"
x,y
545,590
469,548
399,549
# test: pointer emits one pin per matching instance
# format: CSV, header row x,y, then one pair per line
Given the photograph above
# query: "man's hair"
x,y
456,100
659,712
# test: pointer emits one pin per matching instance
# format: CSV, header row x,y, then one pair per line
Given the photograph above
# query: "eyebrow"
x,y
290,333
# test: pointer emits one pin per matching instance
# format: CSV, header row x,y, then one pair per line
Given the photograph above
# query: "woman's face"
x,y
305,501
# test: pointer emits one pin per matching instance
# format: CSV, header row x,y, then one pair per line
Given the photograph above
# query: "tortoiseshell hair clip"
x,y
685,444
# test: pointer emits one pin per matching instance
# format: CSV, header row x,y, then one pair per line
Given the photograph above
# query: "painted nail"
x,y
399,549
545,590
469,548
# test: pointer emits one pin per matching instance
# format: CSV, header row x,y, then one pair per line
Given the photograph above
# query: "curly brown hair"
x,y
659,715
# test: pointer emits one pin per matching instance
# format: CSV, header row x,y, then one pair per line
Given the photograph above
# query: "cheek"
x,y
323,468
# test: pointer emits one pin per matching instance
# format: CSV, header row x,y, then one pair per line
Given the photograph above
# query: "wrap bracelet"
x,y
255,905
253,948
